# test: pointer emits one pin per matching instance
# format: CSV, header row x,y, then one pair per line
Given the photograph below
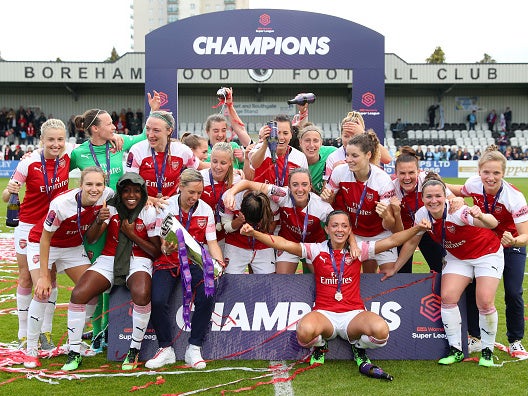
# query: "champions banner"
x,y
263,40
255,318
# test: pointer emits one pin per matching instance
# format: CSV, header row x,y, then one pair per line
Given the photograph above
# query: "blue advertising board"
x,y
255,318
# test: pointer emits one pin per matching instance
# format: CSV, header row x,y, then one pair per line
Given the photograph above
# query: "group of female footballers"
x,y
263,209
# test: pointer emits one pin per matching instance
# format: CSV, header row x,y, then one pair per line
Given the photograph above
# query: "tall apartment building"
x,y
149,15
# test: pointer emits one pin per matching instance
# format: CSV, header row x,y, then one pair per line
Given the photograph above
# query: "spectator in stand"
x,y
71,127
431,112
502,142
139,114
30,132
17,155
516,153
398,128
114,117
436,153
3,120
466,155
429,156
491,119
472,120
420,154
11,117
508,119
134,125
443,154
21,123
8,153
10,136
41,120
129,116
476,155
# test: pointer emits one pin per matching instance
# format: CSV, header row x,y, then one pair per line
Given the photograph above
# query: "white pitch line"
x,y
281,388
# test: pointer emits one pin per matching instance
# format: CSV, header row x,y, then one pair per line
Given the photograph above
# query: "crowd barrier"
x,y
255,318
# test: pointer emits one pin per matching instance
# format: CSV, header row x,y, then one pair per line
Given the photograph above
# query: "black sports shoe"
x,y
360,355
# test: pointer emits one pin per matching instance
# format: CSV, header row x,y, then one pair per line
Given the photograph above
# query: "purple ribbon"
x,y
186,278
208,270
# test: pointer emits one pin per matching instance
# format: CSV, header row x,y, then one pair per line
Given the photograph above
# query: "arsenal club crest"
x,y
140,227
175,165
370,197
22,243
36,258
202,223
451,229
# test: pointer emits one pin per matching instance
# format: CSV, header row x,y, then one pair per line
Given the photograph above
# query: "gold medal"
x,y
444,262
160,195
338,296
218,226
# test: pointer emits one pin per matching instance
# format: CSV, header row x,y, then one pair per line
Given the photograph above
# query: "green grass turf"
x,y
334,377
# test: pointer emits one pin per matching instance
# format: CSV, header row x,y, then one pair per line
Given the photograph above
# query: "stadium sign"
x,y
272,40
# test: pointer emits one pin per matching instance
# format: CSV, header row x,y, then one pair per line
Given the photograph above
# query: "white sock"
x,y
90,309
488,327
23,297
35,319
47,324
140,319
369,342
452,324
76,319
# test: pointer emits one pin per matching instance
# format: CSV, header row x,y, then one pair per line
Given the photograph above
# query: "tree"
x,y
487,59
58,59
113,56
438,56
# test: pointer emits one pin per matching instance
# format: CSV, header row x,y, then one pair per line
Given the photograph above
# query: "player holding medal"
x,y
339,309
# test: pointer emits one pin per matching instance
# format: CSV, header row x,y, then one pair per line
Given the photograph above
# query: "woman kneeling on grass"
x,y
338,310
131,244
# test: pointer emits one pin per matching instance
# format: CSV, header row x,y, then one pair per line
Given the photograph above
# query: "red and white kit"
x,y
267,172
349,191
178,158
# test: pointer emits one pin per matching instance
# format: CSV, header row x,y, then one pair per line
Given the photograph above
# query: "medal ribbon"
x,y
305,224
495,200
280,182
408,207
217,199
362,198
94,157
334,266
159,174
49,191
444,251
